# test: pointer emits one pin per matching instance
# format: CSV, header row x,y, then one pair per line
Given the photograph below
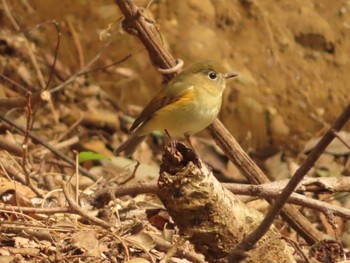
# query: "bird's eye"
x,y
212,75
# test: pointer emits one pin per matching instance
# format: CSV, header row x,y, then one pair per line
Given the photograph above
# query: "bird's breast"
x,y
189,116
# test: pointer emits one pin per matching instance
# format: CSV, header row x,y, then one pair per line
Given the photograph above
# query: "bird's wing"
x,y
171,93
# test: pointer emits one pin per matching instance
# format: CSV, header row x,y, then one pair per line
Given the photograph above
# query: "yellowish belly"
x,y
183,120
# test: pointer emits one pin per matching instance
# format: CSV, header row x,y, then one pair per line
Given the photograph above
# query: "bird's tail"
x,y
130,145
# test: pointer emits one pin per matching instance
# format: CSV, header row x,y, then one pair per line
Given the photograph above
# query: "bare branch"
x,y
76,208
251,239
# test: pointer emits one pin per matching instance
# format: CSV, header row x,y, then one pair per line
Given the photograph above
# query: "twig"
x,y
12,102
35,64
58,42
121,190
248,242
60,145
163,245
15,84
76,208
72,127
294,198
18,175
336,134
38,96
35,210
136,24
172,251
51,148
26,137
297,248
77,43
261,191
109,65
87,67
11,147
76,176
9,15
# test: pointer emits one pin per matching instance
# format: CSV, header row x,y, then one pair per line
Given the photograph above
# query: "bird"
x,y
187,104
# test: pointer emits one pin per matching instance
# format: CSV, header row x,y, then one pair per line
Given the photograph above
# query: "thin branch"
x,y
76,208
268,191
336,134
11,147
76,42
53,67
9,15
121,190
10,168
14,83
35,210
26,137
50,147
87,68
294,198
165,246
248,242
109,65
36,97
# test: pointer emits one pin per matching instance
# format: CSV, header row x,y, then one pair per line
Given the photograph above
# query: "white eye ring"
x,y
212,75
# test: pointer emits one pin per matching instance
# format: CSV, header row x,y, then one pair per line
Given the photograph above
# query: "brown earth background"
x,y
292,58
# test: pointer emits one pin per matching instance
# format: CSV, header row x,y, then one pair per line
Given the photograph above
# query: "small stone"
x,y
342,10
320,111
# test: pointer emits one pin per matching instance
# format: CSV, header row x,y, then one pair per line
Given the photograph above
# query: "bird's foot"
x,y
188,140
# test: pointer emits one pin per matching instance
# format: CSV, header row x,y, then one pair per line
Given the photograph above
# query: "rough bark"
x,y
210,216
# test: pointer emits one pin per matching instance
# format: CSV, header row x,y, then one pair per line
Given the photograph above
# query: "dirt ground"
x,y
292,58
293,62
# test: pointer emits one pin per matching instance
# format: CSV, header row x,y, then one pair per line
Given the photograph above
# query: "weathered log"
x,y
210,216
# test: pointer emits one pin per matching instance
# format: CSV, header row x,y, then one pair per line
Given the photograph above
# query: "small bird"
x,y
184,106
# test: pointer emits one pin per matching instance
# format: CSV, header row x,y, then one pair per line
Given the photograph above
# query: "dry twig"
x,y
77,209
267,191
163,245
48,146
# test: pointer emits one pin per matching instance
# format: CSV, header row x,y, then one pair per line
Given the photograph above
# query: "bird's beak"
x,y
230,75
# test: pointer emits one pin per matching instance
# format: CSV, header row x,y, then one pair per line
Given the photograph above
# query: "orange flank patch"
x,y
186,98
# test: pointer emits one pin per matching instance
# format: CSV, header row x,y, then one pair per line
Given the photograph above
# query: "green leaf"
x,y
158,134
90,156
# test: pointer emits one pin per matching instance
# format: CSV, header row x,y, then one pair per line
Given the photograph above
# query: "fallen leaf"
x,y
142,240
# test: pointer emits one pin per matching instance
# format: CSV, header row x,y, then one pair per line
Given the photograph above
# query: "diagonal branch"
x,y
248,242
135,23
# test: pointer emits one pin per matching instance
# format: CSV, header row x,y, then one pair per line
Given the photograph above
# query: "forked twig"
x,y
76,208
